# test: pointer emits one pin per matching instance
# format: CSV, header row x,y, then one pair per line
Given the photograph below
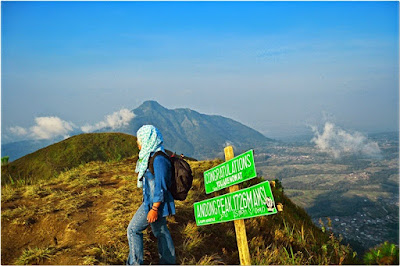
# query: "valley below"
x,y
355,197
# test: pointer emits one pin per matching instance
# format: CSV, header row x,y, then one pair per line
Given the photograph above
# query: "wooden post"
x,y
240,228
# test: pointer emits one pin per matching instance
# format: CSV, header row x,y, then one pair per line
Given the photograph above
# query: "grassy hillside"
x,y
81,216
50,161
16,150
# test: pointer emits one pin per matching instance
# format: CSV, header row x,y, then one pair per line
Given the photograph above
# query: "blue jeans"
x,y
166,249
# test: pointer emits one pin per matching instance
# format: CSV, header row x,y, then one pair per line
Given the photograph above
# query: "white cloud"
x,y
19,131
337,142
50,127
46,127
116,120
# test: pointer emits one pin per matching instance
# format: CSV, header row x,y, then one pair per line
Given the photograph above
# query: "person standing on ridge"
x,y
158,201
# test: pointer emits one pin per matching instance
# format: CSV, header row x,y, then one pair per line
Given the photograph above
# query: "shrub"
x,y
35,255
385,253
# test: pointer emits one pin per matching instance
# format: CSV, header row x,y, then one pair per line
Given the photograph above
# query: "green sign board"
x,y
234,171
246,203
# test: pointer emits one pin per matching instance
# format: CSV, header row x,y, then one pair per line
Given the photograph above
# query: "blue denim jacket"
x,y
155,187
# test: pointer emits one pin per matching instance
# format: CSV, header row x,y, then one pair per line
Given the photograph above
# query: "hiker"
x,y
157,199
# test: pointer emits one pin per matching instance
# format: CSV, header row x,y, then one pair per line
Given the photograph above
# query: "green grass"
x,y
105,254
36,255
9,193
193,239
72,152
4,160
386,254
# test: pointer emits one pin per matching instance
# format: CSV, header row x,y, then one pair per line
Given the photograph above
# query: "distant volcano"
x,y
193,134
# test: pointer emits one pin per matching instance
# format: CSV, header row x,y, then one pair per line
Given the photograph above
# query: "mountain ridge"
x,y
184,130
72,152
190,132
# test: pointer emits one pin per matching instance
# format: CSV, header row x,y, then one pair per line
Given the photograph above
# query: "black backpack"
x,y
181,176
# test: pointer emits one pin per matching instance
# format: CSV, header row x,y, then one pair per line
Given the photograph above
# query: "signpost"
x,y
240,227
231,172
238,204
242,204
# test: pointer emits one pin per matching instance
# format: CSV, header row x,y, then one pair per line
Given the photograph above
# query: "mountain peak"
x,y
151,103
149,106
194,134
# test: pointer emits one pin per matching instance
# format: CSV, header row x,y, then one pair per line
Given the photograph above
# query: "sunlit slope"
x,y
81,216
49,161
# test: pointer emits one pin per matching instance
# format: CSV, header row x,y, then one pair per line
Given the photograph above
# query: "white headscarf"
x,y
151,140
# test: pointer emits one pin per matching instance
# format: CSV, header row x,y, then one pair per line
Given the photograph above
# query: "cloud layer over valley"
x,y
338,142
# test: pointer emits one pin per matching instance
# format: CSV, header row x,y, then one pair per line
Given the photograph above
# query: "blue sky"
x,y
274,66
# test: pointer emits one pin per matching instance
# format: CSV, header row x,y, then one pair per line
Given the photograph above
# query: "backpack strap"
x,y
151,161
